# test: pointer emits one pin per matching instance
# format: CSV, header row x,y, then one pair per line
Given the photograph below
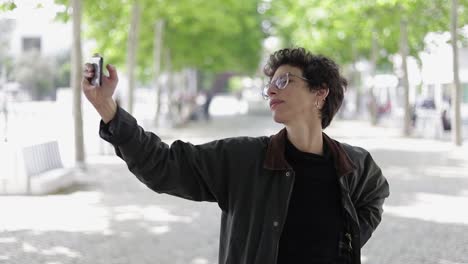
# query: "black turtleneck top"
x,y
314,222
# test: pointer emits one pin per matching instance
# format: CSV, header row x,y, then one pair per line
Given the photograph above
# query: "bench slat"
x,y
42,157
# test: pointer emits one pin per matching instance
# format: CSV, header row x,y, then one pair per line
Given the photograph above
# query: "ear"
x,y
322,93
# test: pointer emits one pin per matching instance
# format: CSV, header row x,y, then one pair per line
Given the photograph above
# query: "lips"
x,y
275,102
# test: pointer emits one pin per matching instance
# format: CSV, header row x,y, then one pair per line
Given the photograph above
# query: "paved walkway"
x,y
111,218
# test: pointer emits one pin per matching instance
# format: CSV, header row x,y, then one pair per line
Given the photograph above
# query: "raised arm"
x,y
101,96
194,172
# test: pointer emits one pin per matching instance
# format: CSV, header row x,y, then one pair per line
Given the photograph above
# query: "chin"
x,y
278,118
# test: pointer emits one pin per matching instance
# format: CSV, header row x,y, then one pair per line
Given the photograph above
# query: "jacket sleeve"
x,y
370,194
182,169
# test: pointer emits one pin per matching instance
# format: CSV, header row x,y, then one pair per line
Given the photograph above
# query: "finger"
x,y
86,85
89,67
88,71
88,75
112,72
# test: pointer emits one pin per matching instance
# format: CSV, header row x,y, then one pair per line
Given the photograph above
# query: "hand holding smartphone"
x,y
93,70
99,88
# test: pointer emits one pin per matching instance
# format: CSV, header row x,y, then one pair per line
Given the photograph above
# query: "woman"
x,y
295,197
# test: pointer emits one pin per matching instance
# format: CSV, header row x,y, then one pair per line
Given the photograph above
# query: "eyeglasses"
x,y
279,83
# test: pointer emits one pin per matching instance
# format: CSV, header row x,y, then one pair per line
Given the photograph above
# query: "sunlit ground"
x,y
76,212
434,207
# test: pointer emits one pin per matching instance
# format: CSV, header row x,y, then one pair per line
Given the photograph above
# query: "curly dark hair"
x,y
321,72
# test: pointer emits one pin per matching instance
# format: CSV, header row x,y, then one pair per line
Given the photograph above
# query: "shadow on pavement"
x,y
400,240
413,172
127,223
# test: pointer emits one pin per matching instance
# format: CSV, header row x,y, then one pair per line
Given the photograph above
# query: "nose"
x,y
272,90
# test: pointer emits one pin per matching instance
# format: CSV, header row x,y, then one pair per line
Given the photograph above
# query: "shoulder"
x,y
241,145
365,165
358,155
247,141
238,142
354,151
367,174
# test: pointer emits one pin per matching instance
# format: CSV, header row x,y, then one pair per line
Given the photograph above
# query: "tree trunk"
x,y
158,40
456,91
355,81
132,50
4,103
373,66
221,82
76,84
404,66
169,86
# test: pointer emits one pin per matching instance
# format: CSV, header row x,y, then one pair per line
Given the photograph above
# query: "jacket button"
x,y
288,173
275,224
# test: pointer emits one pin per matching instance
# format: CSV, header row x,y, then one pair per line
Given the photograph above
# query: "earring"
x,y
317,105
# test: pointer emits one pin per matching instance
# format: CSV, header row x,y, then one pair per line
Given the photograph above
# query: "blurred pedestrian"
x,y
446,125
206,105
294,197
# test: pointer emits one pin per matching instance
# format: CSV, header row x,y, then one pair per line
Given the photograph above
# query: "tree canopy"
x,y
344,29
209,35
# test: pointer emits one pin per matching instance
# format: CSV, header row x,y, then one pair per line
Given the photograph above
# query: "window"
x,y
30,43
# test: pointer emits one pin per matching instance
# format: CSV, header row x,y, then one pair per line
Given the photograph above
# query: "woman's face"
x,y
295,104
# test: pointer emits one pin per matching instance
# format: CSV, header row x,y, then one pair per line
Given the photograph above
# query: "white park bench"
x,y
37,169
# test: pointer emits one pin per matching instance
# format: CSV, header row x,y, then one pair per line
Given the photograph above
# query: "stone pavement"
x,y
110,217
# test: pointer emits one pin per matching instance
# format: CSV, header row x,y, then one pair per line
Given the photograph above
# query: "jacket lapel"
x,y
275,159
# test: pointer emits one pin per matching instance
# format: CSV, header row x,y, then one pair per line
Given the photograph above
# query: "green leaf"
x,y
8,6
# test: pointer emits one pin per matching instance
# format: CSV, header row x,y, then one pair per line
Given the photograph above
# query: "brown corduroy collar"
x,y
275,159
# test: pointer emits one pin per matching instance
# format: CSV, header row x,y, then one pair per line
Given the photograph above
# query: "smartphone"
x,y
97,62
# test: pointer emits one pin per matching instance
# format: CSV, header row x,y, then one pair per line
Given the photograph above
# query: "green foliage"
x,y
108,22
343,29
62,70
211,36
235,84
7,5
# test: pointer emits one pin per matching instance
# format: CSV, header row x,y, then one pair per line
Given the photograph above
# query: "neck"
x,y
306,138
